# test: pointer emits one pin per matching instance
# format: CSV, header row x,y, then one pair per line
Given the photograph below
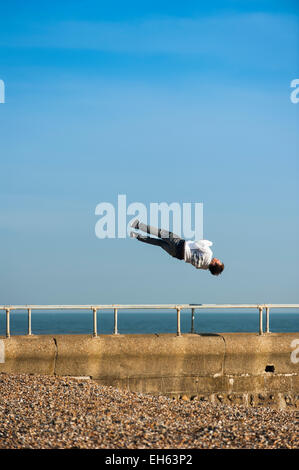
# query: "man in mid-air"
x,y
197,253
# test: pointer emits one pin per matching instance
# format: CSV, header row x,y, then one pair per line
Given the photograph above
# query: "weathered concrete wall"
x,y
29,355
229,368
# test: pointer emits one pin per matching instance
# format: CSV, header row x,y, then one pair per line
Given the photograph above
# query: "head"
x,y
216,267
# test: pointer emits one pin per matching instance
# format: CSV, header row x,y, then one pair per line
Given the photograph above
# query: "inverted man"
x,y
198,253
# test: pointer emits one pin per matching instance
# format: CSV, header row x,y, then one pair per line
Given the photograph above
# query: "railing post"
x,y
29,322
7,323
267,319
178,321
192,320
261,320
115,322
95,333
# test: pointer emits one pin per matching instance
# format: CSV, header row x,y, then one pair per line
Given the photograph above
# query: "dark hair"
x,y
216,269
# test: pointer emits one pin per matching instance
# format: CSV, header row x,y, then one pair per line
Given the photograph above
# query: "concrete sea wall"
x,y
241,368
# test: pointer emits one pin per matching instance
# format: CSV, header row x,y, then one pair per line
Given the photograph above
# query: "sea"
x,y
146,322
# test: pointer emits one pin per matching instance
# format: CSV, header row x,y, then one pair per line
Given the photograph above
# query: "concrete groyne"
x,y
246,368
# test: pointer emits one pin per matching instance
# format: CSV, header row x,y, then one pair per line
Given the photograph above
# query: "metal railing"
x,y
178,308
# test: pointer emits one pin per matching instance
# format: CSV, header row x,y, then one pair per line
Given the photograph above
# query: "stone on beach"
x,y
63,412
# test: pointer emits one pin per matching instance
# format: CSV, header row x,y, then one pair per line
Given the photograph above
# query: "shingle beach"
x,y
58,412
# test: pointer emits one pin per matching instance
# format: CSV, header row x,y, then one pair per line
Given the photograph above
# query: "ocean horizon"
x,y
146,322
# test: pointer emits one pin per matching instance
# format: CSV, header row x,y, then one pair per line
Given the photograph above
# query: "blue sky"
x,y
161,101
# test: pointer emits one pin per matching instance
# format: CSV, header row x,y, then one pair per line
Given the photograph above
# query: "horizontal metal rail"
x,y
116,307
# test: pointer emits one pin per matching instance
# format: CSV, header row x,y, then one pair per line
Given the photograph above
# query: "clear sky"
x,y
161,101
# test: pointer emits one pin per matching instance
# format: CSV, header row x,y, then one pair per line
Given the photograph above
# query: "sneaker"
x,y
135,224
133,235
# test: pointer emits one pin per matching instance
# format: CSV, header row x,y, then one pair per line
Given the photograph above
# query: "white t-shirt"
x,y
198,253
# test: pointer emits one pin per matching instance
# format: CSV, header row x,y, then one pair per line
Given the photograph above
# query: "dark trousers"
x,y
168,241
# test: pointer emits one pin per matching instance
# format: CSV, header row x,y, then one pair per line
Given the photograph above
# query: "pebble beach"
x,y
57,412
